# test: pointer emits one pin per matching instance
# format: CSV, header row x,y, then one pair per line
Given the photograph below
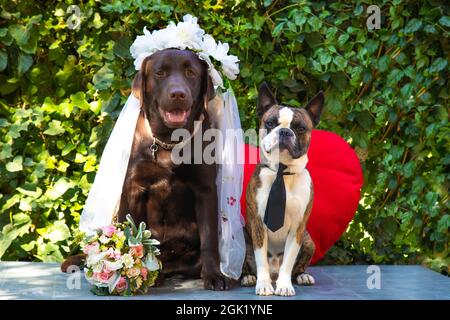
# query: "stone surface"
x,y
31,280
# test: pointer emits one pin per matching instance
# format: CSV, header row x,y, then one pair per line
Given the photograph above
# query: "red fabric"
x,y
337,176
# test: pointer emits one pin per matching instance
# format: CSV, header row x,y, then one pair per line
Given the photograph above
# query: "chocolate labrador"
x,y
177,202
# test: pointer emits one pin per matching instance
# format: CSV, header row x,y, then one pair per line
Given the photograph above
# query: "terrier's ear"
x,y
266,99
315,106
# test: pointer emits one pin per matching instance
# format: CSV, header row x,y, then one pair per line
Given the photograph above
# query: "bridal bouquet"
x,y
121,259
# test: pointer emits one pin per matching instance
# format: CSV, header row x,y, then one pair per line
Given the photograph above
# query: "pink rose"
x,y
144,273
92,248
137,251
121,285
104,276
108,230
96,276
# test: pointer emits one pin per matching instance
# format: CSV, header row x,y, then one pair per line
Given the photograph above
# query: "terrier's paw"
x,y
248,280
305,279
284,288
264,287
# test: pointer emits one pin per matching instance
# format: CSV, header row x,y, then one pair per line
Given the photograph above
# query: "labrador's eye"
x,y
160,73
190,73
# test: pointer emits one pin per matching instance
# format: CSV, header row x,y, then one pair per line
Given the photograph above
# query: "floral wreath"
x,y
187,34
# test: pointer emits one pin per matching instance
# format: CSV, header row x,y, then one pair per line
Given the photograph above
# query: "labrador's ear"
x,y
210,93
136,86
139,85
207,85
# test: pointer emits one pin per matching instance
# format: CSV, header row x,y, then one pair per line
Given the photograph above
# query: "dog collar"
x,y
157,143
271,169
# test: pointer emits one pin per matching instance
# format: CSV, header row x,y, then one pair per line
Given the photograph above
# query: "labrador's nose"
x,y
177,94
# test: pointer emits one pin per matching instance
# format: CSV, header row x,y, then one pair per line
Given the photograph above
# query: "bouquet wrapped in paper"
x,y
121,259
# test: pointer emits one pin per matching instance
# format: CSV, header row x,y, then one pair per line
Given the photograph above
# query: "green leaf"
x,y
277,30
445,21
58,189
12,231
3,60
25,62
15,165
438,65
54,128
413,25
103,78
19,33
58,231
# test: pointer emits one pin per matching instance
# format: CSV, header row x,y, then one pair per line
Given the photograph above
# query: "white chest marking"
x,y
298,191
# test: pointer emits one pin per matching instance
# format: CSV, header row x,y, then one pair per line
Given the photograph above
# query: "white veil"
x,y
104,196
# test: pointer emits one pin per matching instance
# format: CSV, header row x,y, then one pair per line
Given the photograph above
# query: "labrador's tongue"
x,y
176,115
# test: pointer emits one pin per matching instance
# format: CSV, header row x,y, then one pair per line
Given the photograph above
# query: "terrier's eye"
x,y
270,124
300,128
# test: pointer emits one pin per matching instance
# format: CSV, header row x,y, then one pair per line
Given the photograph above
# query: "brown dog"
x,y
178,202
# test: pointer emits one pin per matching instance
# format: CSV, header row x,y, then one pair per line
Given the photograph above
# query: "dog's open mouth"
x,y
176,117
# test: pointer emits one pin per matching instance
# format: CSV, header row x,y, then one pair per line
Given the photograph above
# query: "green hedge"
x,y
386,93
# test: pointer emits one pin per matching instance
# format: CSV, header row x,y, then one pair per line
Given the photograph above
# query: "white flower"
x,y
127,260
113,265
230,66
104,239
94,259
187,34
151,263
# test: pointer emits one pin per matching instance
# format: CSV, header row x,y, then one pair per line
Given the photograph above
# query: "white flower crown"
x,y
187,35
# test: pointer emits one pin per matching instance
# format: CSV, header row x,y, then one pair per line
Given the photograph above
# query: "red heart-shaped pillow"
x,y
337,176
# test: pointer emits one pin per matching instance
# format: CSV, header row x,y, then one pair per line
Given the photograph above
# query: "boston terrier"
x,y
280,197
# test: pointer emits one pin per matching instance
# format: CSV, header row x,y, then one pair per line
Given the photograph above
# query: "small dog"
x,y
279,198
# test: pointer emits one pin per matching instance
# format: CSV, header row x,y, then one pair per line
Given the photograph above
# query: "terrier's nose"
x,y
285,132
177,94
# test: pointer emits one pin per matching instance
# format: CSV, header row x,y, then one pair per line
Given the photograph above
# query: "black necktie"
x,y
276,204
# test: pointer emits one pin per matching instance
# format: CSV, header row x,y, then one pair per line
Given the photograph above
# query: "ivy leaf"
x,y
277,30
15,165
58,231
25,62
19,33
413,25
438,65
55,128
445,21
103,78
3,60
11,231
58,189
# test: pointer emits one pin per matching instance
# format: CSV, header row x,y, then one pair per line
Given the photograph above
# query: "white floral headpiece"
x,y
187,35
